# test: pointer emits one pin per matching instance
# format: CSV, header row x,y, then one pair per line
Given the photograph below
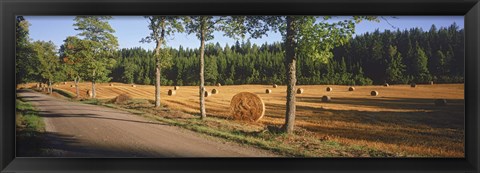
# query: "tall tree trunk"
x,y
290,45
157,77
50,89
76,88
158,69
93,89
202,78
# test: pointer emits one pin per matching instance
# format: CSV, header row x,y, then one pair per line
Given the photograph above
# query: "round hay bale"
x,y
111,85
413,85
219,85
89,93
122,98
275,85
351,88
440,102
268,91
247,106
386,85
374,93
431,82
214,91
299,90
329,89
64,83
326,99
175,88
207,94
134,86
71,86
171,92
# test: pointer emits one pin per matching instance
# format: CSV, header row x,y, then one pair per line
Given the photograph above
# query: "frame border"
x,y
10,8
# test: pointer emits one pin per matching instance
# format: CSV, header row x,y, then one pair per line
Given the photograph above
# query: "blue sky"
x,y
131,29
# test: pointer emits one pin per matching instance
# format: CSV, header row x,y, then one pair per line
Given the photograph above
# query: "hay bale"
x,y
329,89
326,99
386,85
134,85
268,91
111,85
440,102
89,93
64,83
299,90
71,86
175,87
122,98
214,91
247,106
275,85
413,85
351,88
171,92
219,85
374,93
206,94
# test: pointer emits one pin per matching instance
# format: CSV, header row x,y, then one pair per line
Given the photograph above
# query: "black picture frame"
x,y
10,8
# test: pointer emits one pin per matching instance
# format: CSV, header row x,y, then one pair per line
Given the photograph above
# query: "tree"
x,y
49,71
395,67
420,65
203,27
25,66
315,39
102,46
161,27
74,55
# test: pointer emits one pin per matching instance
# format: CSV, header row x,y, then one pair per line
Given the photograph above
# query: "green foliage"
x,y
395,69
48,67
25,70
99,47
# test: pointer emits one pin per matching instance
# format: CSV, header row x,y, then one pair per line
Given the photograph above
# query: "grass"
x,y
29,130
300,144
64,93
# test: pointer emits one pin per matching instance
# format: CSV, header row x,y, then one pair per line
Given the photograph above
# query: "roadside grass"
x,y
64,93
302,143
29,130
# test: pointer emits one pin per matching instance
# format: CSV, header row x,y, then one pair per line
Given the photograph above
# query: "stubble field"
x,y
400,120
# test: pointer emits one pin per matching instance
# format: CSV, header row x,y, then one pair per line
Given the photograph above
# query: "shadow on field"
x,y
391,103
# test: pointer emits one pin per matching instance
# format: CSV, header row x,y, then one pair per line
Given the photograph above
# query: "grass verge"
x,y
29,130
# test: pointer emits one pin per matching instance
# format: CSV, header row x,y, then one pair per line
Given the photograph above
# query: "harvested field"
x,y
400,120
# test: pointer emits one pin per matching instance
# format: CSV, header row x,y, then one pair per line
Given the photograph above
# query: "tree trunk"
x,y
76,88
50,89
202,79
290,45
158,69
93,89
157,81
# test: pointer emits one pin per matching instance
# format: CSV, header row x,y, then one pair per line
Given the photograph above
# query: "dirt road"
x,y
80,130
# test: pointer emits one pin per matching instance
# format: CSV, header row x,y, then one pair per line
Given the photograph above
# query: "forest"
x,y
395,57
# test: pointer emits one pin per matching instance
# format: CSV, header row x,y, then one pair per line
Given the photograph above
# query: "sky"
x,y
131,29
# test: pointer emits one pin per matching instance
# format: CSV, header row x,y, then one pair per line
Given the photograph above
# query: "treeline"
x,y
396,57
